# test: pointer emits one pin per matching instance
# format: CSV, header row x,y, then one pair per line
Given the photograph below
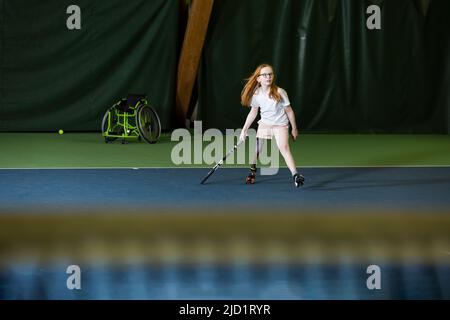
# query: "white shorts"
x,y
267,131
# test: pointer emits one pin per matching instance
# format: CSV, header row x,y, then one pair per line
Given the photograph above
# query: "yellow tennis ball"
x,y
61,131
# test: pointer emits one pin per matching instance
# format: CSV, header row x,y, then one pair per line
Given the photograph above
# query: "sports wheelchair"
x,y
131,117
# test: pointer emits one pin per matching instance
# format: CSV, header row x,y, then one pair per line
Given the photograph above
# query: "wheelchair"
x,y
131,118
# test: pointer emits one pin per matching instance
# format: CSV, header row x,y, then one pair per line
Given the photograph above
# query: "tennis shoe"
x,y
299,180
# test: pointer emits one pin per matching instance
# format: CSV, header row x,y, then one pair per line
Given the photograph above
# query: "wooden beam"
x,y
194,38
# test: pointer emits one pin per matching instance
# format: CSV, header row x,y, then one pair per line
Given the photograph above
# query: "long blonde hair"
x,y
252,84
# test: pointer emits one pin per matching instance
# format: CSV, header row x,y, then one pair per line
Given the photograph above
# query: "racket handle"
x,y
207,176
221,162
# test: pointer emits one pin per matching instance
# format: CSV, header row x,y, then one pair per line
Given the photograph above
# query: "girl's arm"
x,y
291,116
250,118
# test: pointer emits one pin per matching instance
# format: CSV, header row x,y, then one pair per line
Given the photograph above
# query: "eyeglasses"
x,y
266,75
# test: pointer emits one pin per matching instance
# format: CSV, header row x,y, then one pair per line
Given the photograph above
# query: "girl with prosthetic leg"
x,y
264,96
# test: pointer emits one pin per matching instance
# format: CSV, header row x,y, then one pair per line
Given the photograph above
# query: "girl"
x,y
261,93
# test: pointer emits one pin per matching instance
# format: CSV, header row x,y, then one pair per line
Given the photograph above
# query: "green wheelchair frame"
x,y
131,118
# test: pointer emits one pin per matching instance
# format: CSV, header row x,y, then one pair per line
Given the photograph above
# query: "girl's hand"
x,y
294,134
243,135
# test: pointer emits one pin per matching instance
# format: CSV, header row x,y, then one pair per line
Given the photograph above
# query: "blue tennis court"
x,y
159,234
424,188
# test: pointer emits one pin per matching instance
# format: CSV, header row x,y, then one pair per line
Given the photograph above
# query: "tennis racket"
x,y
218,164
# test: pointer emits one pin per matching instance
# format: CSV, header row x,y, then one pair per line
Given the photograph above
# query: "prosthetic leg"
x,y
252,175
251,178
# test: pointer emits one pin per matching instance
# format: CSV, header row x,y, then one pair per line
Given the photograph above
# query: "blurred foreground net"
x,y
223,255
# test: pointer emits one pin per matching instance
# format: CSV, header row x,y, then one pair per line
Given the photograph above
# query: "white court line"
x,y
225,167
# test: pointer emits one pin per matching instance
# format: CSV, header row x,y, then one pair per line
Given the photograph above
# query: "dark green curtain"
x,y
53,78
340,76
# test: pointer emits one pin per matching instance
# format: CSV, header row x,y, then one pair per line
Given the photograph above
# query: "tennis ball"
x,y
61,131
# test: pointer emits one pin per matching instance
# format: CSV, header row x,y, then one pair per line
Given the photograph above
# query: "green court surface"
x,y
84,150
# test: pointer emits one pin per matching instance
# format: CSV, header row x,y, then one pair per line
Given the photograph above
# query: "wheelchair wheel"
x,y
148,123
115,128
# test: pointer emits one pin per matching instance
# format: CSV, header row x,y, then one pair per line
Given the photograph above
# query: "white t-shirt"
x,y
272,112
